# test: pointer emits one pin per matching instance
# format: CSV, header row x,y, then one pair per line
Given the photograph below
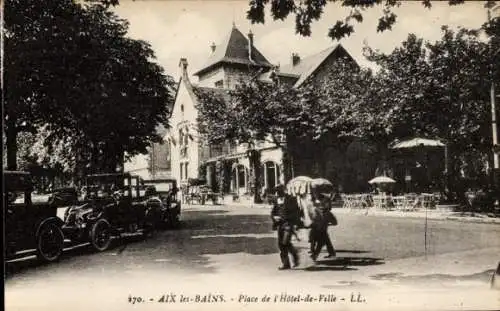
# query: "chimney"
x,y
183,64
274,73
295,59
212,47
250,45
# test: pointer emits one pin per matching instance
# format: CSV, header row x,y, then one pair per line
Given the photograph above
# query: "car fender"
x,y
56,220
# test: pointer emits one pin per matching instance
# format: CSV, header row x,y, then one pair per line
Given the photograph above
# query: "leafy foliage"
x,y
307,12
70,66
439,89
423,89
275,112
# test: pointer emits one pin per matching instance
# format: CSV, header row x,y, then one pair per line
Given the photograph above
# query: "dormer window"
x,y
219,84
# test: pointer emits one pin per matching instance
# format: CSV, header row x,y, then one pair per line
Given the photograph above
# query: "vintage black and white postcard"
x,y
251,155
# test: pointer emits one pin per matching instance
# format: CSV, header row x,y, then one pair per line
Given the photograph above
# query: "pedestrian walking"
x,y
286,217
318,235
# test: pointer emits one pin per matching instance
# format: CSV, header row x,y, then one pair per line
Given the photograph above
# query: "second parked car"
x,y
113,206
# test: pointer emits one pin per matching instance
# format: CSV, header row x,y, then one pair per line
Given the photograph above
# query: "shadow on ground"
x,y
344,263
354,251
202,233
83,251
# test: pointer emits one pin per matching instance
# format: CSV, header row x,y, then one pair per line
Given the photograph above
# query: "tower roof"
x,y
234,50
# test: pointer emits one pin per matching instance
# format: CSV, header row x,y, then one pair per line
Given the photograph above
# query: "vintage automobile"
x,y
164,201
112,206
29,227
63,197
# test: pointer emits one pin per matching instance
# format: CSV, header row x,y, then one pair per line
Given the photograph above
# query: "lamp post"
x,y
495,170
494,133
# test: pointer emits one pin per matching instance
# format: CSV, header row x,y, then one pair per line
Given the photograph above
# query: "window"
x,y
219,83
183,143
186,170
181,171
241,176
169,155
271,174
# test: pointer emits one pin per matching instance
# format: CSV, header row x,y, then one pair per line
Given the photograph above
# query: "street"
x,y
232,251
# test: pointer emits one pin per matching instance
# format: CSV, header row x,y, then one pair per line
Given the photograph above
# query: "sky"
x,y
177,29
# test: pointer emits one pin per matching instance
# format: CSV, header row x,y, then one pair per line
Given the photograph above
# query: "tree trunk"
x,y
287,165
219,175
113,158
11,142
255,171
95,160
289,152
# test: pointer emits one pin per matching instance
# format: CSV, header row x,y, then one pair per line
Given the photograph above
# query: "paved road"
x,y
221,250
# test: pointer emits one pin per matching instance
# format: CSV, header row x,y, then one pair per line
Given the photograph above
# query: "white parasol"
x,y
417,142
382,180
299,185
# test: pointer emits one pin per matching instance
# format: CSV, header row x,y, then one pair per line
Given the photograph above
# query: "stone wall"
x,y
209,79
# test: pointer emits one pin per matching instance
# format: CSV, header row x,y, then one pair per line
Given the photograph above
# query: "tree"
x,y
306,12
435,89
399,94
248,114
462,79
70,66
283,115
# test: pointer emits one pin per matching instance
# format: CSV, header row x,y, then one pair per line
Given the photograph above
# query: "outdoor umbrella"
x,y
417,142
423,143
299,185
382,180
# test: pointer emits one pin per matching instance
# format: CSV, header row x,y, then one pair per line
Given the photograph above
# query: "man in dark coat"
x,y
286,216
318,235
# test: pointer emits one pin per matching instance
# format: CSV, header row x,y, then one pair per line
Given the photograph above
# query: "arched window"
x,y
239,179
271,172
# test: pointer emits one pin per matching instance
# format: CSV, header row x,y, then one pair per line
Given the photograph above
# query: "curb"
x,y
432,215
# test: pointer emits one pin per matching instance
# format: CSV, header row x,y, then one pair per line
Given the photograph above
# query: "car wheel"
x,y
100,235
49,242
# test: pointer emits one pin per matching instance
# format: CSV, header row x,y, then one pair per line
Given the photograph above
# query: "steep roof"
x,y
308,65
234,50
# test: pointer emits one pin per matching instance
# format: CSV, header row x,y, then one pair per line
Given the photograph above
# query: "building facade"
x,y
234,60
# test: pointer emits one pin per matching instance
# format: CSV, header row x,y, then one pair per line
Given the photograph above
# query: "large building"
x,y
234,60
